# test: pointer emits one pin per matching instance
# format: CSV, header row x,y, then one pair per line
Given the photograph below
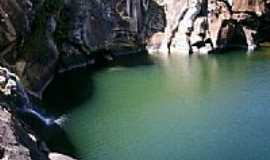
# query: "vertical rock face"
x,y
186,26
197,26
41,37
220,23
112,25
14,24
251,16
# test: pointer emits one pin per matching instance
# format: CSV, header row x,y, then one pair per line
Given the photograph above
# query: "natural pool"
x,y
212,107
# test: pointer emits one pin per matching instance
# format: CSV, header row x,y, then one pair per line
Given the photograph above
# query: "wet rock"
x,y
22,127
15,142
57,156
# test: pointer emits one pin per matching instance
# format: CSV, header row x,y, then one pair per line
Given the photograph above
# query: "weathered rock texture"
x,y
39,38
19,142
202,26
22,127
42,37
15,142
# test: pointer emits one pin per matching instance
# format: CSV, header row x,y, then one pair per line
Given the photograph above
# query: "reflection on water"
x,y
189,108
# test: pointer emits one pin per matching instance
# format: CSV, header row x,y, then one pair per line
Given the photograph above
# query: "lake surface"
x,y
212,107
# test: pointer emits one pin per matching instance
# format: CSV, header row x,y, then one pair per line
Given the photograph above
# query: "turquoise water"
x,y
214,107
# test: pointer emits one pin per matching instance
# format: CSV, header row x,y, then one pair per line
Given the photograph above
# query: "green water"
x,y
214,107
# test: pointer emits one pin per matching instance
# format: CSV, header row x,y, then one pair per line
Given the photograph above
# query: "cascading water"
x,y
28,108
25,108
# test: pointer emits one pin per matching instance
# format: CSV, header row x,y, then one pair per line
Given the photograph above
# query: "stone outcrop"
x,y
15,142
19,142
200,26
22,129
39,38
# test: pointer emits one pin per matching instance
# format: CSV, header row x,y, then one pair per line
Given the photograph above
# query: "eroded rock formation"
x,y
198,26
42,37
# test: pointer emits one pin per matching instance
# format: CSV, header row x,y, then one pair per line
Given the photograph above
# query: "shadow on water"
x,y
54,136
133,60
197,75
68,90
73,88
59,142
47,129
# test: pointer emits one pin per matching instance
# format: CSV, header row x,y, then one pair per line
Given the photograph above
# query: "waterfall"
x,y
38,115
10,84
128,5
28,108
145,4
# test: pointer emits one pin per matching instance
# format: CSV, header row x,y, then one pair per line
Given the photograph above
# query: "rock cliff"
x,y
201,26
42,37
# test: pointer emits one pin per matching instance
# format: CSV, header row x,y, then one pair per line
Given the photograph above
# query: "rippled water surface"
x,y
214,107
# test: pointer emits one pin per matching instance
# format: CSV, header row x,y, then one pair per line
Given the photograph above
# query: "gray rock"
x,y
15,144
